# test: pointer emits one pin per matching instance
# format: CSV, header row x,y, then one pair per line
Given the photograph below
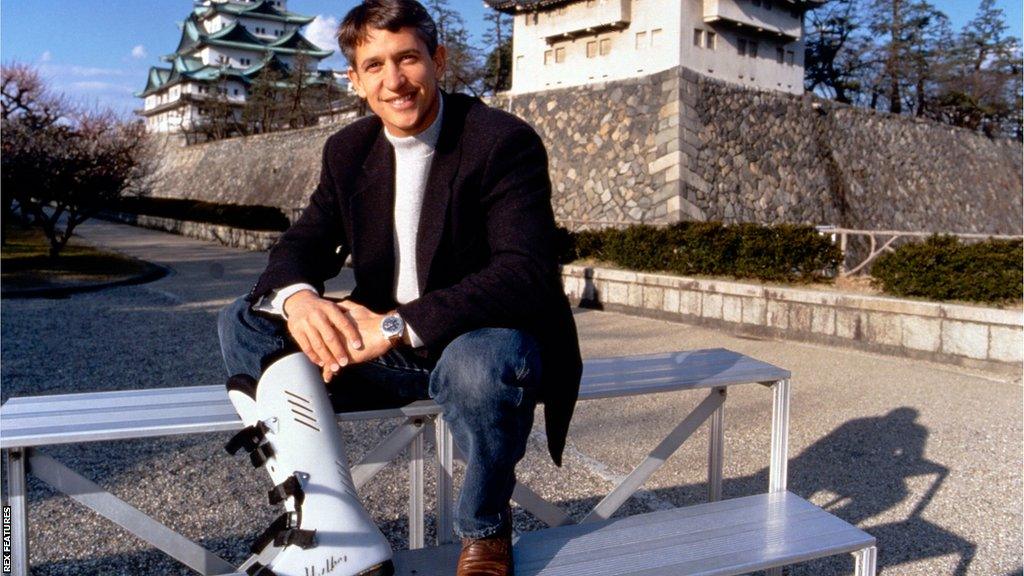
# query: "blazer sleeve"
x,y
517,283
313,249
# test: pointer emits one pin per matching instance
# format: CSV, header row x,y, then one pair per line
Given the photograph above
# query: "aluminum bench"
x,y
782,534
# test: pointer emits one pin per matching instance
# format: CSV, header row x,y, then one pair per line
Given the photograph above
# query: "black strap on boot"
x,y
290,487
254,440
258,569
283,532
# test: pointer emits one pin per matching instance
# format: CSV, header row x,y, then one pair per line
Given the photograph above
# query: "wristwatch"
x,y
392,327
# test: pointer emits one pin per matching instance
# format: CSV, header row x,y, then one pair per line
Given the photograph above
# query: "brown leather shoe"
x,y
490,556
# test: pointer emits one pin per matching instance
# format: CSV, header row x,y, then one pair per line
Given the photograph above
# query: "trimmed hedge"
x,y
783,253
943,268
246,217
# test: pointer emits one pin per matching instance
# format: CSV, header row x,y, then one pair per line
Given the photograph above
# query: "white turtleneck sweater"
x,y
413,157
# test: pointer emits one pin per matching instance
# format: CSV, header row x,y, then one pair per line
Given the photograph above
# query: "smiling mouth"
x,y
402,101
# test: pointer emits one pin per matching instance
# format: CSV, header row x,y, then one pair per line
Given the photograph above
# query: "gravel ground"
x,y
926,457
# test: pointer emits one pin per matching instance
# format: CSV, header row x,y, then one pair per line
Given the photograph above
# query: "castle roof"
x,y
516,6
262,10
237,36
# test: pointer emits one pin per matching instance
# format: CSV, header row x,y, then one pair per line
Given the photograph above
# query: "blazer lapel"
x,y
373,219
443,169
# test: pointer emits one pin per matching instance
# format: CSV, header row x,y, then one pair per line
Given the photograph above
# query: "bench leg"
x,y
445,467
416,491
17,494
865,561
716,449
780,437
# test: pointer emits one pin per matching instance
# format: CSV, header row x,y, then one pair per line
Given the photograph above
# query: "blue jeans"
x,y
485,382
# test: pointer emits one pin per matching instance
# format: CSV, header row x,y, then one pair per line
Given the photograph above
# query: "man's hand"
x,y
368,324
334,334
322,329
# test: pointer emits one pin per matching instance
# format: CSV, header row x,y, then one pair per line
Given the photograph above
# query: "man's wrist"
x,y
295,298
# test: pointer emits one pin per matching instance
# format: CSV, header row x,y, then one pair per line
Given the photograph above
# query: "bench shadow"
x,y
857,472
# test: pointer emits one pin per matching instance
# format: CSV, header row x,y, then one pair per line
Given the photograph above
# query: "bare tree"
x,y
65,169
464,71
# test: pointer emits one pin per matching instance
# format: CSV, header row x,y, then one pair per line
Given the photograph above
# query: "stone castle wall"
x,y
680,146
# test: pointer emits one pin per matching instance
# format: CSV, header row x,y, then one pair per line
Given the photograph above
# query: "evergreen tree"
x,y
498,75
837,51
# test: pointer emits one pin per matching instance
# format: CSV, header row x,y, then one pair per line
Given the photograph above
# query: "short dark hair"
x,y
390,15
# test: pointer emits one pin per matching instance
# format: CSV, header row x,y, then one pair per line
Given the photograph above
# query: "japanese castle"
x,y
225,46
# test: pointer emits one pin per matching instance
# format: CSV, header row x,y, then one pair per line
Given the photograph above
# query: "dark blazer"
x,y
485,250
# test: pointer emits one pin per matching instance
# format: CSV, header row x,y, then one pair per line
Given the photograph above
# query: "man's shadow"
x,y
861,469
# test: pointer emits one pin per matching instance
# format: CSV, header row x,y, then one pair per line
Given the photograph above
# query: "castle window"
x,y
698,37
746,47
780,54
641,40
547,57
709,40
591,49
559,55
606,46
790,57
655,37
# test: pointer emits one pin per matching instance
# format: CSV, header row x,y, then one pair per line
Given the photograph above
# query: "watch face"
x,y
391,325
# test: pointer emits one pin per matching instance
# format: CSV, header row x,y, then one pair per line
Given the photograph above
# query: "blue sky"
x,y
98,51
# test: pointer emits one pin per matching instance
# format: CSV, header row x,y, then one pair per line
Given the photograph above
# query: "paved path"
x,y
926,457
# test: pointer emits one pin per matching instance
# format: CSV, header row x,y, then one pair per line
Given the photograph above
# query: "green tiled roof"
x,y
263,10
237,36
184,67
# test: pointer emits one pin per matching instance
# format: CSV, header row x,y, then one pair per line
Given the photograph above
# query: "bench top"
x,y
122,414
736,536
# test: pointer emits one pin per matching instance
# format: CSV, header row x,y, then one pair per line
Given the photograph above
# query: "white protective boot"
x,y
292,431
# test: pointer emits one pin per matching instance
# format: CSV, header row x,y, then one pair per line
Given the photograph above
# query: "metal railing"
x,y
881,241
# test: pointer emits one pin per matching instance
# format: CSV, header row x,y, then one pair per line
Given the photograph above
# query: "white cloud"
x,y
321,31
139,52
46,56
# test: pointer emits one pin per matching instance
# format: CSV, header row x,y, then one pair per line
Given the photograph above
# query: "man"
x,y
444,205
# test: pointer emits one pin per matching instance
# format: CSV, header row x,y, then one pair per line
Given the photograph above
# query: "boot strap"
x,y
283,532
249,438
304,539
258,569
290,487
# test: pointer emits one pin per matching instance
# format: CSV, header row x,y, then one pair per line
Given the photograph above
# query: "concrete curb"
x,y
951,333
153,272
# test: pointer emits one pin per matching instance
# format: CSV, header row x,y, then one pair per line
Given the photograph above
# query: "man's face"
x,y
398,78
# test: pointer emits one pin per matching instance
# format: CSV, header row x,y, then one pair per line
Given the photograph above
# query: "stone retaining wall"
x,y
943,332
254,240
677,145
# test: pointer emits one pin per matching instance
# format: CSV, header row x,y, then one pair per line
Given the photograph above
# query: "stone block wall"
x,y
613,148
677,145
769,157
279,169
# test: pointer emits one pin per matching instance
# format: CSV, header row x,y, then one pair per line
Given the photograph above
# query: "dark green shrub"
x,y
781,253
237,216
943,268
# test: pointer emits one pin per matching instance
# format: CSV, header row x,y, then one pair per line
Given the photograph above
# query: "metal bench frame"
x,y
422,419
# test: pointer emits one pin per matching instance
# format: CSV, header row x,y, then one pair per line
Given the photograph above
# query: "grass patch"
x,y
25,263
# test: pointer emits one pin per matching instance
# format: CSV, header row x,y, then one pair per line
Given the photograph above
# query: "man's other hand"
x,y
322,329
